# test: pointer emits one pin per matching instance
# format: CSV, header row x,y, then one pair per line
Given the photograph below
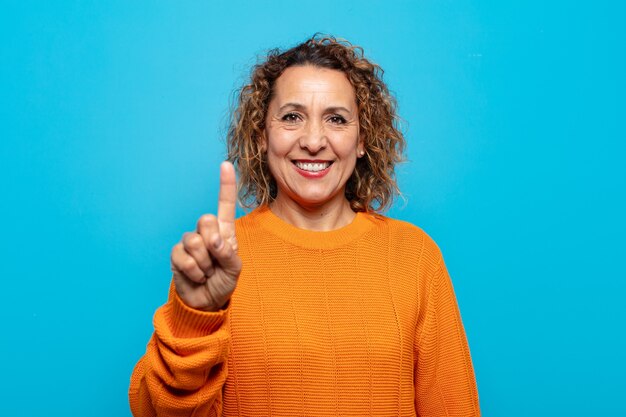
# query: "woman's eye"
x,y
336,119
291,118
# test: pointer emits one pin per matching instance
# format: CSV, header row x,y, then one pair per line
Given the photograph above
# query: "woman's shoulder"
x,y
405,234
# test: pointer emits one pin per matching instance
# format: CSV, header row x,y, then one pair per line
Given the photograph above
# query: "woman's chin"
x,y
312,199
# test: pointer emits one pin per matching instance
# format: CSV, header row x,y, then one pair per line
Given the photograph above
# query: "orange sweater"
x,y
359,321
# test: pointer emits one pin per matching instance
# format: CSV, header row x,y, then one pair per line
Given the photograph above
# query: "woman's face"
x,y
312,136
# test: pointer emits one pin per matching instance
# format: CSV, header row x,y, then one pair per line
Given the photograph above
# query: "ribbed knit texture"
x,y
359,321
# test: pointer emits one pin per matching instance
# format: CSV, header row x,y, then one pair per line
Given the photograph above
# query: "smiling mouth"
x,y
316,166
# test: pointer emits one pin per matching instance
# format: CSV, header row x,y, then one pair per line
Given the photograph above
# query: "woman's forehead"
x,y
302,84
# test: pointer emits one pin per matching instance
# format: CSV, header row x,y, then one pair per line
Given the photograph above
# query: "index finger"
x,y
227,200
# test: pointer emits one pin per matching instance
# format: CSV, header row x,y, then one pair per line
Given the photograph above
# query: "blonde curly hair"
x,y
372,186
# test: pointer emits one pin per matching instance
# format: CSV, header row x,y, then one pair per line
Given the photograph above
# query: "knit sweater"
x,y
359,321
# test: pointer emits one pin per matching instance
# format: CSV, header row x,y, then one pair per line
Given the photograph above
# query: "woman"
x,y
312,304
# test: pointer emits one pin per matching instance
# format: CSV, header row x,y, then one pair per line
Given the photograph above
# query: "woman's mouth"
x,y
312,169
312,166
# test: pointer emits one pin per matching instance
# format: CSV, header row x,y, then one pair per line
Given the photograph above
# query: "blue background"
x,y
112,126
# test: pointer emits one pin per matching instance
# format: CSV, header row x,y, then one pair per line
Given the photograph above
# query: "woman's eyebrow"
x,y
336,109
300,107
295,106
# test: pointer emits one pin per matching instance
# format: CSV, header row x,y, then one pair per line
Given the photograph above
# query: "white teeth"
x,y
313,167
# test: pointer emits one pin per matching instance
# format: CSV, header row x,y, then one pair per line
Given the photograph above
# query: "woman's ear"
x,y
360,148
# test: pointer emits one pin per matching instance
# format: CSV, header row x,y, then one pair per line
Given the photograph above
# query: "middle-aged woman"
x,y
313,303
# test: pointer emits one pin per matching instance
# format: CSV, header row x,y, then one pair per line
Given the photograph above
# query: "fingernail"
x,y
218,243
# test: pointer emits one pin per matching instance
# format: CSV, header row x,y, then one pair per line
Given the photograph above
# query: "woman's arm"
x,y
184,368
444,377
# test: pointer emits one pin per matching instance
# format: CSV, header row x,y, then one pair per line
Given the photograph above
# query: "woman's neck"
x,y
329,216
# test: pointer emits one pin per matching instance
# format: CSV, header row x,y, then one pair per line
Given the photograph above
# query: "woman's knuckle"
x,y
206,220
194,241
176,251
188,265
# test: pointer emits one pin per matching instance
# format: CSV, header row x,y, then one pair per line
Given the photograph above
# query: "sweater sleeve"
x,y
444,376
184,368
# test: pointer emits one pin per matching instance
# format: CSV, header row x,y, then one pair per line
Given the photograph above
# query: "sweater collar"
x,y
310,239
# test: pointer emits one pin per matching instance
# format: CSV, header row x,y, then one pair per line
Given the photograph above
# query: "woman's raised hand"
x,y
205,262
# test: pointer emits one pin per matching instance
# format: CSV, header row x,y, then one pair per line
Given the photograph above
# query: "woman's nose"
x,y
313,138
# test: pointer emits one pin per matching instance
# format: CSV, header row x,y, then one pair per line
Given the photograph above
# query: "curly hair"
x,y
372,186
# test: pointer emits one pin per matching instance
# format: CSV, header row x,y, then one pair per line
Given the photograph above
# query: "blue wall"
x,y
112,118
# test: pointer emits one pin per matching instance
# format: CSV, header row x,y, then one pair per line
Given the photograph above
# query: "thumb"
x,y
224,251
